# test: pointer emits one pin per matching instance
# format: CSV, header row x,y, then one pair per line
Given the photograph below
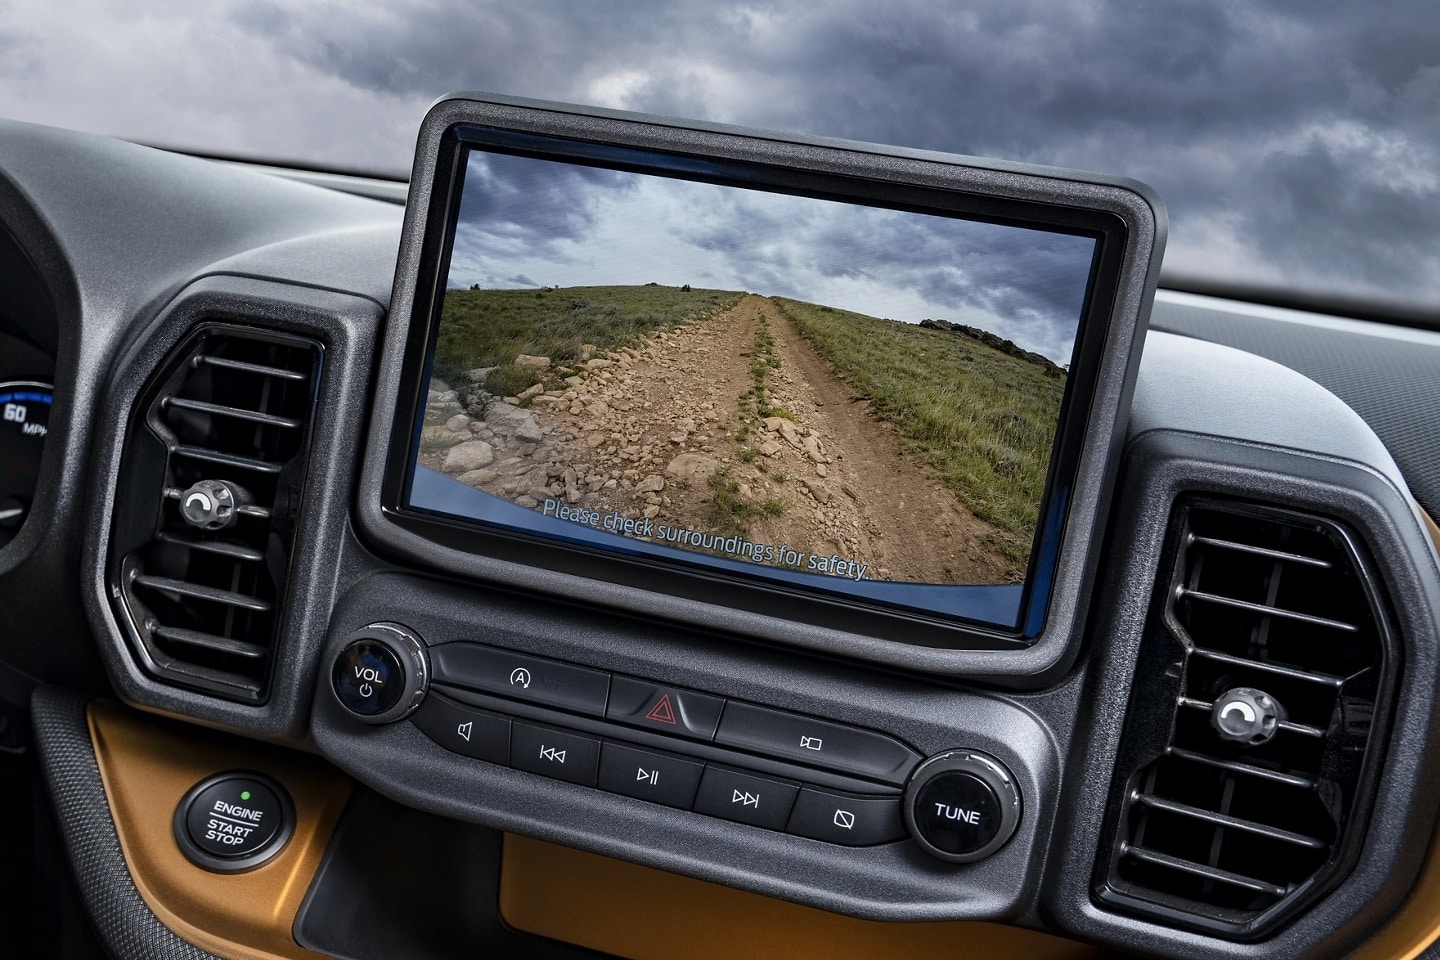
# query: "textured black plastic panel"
x,y
1391,377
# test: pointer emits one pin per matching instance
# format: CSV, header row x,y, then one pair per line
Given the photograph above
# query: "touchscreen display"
x,y
860,400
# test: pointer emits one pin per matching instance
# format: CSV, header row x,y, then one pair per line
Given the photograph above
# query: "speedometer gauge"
x,y
24,422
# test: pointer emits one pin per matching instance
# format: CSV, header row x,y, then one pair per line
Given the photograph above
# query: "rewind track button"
x,y
554,753
647,775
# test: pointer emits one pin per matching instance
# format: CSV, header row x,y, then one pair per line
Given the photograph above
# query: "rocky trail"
x,y
732,425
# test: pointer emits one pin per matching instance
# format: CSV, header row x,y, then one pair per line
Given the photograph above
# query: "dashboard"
x,y
431,759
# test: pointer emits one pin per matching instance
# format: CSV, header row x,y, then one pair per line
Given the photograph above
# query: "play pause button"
x,y
657,777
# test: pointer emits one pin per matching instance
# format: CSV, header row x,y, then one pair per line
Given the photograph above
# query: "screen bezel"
x,y
1087,437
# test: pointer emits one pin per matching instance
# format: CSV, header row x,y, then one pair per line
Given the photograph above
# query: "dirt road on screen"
x,y
732,425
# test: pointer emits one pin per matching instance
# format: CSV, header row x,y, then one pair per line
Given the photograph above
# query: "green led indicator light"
x,y
245,795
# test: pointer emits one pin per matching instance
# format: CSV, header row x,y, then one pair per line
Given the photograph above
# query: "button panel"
x,y
684,717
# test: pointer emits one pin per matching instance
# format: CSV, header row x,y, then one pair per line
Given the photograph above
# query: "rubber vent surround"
x,y
1234,838
230,404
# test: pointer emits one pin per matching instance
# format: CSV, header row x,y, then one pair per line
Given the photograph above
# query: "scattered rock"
x,y
771,447
651,484
820,470
479,374
532,363
467,456
458,423
528,502
476,478
527,429
789,433
534,390
817,490
650,512
587,350
599,363
692,466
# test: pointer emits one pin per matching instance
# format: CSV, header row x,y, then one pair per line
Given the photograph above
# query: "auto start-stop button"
x,y
234,821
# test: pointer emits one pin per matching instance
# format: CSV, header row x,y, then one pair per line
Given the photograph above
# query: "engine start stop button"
x,y
234,821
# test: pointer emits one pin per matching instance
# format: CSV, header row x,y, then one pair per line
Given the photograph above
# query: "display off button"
x,y
845,819
234,821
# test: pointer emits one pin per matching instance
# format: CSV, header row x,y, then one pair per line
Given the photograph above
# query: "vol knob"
x,y
381,673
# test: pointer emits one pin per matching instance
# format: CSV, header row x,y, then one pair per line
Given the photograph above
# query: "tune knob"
x,y
962,805
381,673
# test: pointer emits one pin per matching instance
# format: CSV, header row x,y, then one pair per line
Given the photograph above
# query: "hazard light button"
x,y
681,713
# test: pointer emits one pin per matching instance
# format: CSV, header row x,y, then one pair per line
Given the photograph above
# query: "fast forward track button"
x,y
745,798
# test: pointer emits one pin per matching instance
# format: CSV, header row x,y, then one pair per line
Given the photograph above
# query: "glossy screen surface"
x,y
832,396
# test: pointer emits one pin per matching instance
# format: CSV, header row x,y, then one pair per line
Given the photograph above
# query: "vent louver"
x,y
228,414
1214,828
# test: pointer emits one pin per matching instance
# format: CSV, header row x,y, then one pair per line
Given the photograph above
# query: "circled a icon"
x,y
520,677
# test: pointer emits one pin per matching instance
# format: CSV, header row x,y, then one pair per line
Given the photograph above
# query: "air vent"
x,y
209,492
1242,783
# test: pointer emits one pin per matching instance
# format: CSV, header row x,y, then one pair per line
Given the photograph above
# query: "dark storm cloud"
x,y
1292,142
510,203
1025,285
510,197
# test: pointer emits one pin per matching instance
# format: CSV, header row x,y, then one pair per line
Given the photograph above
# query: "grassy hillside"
x,y
983,419
489,328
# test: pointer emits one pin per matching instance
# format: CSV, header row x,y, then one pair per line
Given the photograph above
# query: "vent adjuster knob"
x,y
1246,716
212,504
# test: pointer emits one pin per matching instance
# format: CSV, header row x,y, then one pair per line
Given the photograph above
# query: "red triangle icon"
x,y
663,712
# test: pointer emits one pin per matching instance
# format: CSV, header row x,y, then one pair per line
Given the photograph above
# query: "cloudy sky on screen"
x,y
1295,144
532,223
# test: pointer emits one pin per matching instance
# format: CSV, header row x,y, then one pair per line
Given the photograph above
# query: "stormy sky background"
x,y
533,223
1295,144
